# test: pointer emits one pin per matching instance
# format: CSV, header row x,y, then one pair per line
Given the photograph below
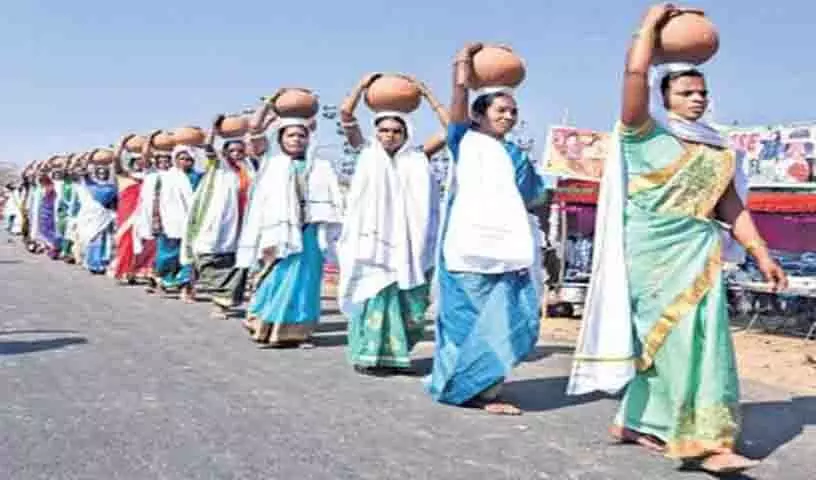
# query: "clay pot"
x,y
102,156
189,136
687,37
393,92
234,126
497,67
296,102
135,144
164,141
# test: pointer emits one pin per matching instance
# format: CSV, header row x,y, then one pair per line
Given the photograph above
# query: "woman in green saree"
x,y
675,183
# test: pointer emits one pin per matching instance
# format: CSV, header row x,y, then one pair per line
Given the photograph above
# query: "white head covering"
x,y
694,131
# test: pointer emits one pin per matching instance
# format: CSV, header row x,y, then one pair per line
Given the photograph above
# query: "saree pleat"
x,y
288,296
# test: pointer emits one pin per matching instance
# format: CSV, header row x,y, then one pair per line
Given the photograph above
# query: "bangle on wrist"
x,y
349,124
754,244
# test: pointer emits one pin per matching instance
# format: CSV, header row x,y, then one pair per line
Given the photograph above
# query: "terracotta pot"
x,y
102,156
189,136
164,141
135,144
497,67
296,102
393,92
234,126
687,37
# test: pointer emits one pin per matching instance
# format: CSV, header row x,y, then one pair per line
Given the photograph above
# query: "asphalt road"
x,y
106,382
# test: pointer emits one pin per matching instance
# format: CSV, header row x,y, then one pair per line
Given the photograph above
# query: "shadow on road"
x,y
544,351
31,346
543,394
10,262
766,426
324,327
339,340
29,332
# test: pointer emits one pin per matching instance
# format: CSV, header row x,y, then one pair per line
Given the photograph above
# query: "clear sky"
x,y
78,74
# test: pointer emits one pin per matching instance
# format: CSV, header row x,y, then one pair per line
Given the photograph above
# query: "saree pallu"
x,y
686,391
127,263
389,325
64,205
288,296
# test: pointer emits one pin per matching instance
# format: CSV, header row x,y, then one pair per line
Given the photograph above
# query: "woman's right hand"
x,y
657,15
468,51
216,124
369,79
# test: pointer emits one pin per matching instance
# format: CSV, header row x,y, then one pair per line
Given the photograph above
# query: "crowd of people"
x,y
260,219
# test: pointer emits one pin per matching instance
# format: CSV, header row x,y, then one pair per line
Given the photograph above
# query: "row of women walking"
x,y
266,209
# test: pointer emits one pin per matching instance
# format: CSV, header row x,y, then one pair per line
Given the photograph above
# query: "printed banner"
x,y
576,153
776,156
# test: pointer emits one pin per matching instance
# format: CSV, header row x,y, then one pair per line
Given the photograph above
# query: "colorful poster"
x,y
576,153
777,156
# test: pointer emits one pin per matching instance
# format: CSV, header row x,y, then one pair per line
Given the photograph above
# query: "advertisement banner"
x,y
576,153
776,156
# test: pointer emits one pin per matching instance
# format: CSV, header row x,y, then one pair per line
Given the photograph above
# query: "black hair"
x,y
230,142
282,130
668,79
483,102
395,118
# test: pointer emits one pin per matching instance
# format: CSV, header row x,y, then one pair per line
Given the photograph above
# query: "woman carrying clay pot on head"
x,y
295,201
95,222
133,257
148,215
385,251
173,200
488,269
214,223
658,269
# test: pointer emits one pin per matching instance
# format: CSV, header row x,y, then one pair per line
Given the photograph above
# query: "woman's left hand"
x,y
773,273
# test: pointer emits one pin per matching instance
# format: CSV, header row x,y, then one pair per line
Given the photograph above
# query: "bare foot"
x,y
494,407
727,463
187,295
250,325
626,435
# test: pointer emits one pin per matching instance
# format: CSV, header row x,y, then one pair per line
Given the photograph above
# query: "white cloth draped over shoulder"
x,y
175,197
604,357
283,201
143,215
93,218
389,227
215,207
489,230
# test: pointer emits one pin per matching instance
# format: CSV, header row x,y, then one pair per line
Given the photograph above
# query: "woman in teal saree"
x,y
676,181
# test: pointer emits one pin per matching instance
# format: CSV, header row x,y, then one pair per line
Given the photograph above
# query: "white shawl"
x,y
385,237
281,203
489,230
93,218
604,357
220,227
143,215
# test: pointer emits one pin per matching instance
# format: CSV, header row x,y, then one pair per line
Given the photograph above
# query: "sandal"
x,y
631,437
725,463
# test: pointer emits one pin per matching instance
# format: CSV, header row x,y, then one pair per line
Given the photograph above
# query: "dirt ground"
x,y
784,362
